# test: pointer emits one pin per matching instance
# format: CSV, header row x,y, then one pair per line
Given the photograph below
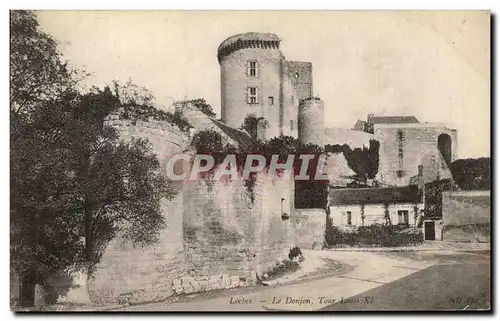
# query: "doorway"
x,y
444,146
429,231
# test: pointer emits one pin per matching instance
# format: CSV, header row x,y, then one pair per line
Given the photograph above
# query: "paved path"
x,y
425,246
369,270
462,286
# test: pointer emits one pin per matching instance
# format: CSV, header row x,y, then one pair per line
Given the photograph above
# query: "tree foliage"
x,y
74,183
207,142
470,173
336,149
137,103
80,186
37,70
250,125
434,196
42,239
363,161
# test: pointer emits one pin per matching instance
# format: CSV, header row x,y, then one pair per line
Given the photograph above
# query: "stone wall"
x,y
219,234
241,229
140,274
420,147
300,73
467,216
289,107
310,228
135,275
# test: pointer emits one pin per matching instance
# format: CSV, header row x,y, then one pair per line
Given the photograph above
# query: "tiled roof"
x,y
238,135
391,195
394,119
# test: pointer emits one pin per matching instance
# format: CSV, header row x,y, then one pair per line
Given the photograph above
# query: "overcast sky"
x,y
433,65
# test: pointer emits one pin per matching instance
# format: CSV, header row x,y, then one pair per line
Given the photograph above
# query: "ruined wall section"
x,y
419,147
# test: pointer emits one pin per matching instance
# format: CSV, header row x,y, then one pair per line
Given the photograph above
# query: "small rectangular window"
x,y
252,68
349,218
252,95
291,124
403,217
270,100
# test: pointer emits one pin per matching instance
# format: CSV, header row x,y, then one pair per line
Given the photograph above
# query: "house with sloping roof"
x,y
350,208
372,120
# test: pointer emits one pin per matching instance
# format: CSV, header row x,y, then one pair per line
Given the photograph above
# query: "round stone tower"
x,y
251,65
312,121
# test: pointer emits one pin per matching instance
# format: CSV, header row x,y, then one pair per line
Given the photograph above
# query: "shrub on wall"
x,y
137,103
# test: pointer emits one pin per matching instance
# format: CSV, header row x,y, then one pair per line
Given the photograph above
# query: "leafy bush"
x,y
294,252
285,267
472,174
334,149
363,161
434,196
377,235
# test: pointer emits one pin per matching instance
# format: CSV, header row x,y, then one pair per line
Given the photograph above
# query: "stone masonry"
x,y
310,228
219,234
466,216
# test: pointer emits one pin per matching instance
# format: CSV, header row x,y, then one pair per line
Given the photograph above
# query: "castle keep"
x,y
218,236
257,80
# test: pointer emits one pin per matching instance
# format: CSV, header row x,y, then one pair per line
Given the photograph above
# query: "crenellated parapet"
x,y
248,40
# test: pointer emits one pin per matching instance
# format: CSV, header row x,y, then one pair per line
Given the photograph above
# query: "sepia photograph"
x,y
279,161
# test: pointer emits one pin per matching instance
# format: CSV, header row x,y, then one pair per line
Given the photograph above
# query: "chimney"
x,y
421,183
420,178
262,126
